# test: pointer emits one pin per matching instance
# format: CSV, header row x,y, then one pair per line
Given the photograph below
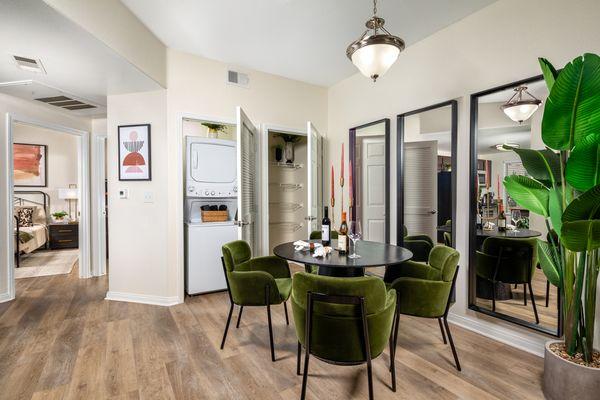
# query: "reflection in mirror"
x,y
369,158
426,190
506,279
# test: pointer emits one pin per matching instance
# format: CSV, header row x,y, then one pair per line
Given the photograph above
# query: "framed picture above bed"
x,y
134,153
29,164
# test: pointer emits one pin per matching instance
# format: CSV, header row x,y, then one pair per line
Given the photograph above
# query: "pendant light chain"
x,y
374,7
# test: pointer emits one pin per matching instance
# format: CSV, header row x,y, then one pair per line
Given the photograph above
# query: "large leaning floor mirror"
x,y
426,186
506,280
369,157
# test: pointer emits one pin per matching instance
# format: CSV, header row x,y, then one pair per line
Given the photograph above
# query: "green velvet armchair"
x,y
419,245
511,261
425,289
259,281
343,321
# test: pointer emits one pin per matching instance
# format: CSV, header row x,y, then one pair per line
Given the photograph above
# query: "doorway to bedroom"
x,y
49,196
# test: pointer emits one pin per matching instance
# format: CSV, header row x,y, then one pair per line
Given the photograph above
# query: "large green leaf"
x,y
555,208
572,110
581,235
542,165
549,72
547,262
528,193
583,167
584,207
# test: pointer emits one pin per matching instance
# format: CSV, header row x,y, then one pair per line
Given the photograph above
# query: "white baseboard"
x,y
6,297
531,343
143,298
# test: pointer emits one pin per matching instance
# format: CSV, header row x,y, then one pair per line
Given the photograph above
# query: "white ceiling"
x,y
304,40
76,63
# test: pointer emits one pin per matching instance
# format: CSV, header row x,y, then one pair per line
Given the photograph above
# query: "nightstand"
x,y
64,236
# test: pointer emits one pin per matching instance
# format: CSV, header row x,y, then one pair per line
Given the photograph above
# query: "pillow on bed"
x,y
25,216
39,216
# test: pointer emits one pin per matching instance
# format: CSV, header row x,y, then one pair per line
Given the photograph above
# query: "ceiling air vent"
x,y
65,102
29,64
237,78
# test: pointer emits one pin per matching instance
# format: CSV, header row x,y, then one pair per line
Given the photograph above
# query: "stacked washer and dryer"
x,y
211,181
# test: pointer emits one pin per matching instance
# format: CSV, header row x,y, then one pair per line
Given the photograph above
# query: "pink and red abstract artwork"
x,y
134,153
29,164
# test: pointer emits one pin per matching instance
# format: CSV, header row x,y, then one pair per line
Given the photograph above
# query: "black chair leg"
x,y
227,326
298,359
537,319
393,338
442,330
287,321
270,329
237,325
457,363
524,294
547,292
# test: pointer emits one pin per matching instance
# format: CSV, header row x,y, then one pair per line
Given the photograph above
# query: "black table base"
x,y
341,272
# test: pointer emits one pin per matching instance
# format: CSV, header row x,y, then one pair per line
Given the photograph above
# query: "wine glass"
x,y
354,234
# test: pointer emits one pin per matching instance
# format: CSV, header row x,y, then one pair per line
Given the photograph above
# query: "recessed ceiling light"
x,y
29,64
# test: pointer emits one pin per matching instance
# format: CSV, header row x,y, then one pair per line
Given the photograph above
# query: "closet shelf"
x,y
287,226
286,165
287,206
287,187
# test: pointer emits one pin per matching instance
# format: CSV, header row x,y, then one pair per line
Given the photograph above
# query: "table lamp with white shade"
x,y
69,194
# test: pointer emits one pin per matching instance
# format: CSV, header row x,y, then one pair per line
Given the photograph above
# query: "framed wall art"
x,y
30,164
134,153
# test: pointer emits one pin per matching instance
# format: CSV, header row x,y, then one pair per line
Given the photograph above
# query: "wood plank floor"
x,y
61,340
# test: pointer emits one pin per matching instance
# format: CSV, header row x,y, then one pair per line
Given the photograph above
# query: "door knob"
x,y
432,211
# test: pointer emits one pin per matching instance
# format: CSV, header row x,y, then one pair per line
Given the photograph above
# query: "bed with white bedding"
x,y
31,224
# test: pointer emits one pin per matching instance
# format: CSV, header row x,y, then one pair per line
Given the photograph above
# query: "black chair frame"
x,y
359,301
237,325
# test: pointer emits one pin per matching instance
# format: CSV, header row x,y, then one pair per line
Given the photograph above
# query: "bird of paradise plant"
x,y
563,186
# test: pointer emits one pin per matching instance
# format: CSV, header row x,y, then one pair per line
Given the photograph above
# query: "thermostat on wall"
x,y
123,193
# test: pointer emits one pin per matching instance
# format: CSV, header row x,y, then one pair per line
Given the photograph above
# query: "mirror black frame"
x,y
400,165
352,159
473,215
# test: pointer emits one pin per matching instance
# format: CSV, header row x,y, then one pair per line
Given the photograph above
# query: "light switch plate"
x,y
148,197
123,193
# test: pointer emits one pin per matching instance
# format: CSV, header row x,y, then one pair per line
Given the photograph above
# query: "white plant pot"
x,y
564,379
288,152
213,134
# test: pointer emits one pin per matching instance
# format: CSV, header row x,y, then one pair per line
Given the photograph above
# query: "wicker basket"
x,y
215,216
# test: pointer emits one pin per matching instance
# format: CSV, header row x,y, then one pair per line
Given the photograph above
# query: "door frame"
x,y
83,182
400,164
352,159
99,218
264,177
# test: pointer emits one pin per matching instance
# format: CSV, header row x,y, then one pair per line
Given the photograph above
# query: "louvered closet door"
x,y
420,188
314,205
247,177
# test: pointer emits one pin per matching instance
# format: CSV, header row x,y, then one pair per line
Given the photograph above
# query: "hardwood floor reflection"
x,y
61,340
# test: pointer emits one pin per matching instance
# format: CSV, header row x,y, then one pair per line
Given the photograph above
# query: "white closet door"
x,y
247,177
420,188
372,187
314,205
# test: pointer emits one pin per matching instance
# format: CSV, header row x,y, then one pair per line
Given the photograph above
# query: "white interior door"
x,y
314,202
420,188
247,178
372,187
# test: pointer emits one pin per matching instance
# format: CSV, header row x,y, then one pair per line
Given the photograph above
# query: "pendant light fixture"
x,y
374,52
519,109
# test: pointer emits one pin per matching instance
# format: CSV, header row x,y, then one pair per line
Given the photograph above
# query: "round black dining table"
x,y
483,233
372,254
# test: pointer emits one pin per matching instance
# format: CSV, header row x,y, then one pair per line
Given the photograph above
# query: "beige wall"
x,y
496,45
62,166
21,109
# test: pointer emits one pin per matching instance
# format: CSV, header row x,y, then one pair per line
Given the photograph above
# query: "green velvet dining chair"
x,y
425,289
419,245
316,235
343,321
448,235
259,281
509,261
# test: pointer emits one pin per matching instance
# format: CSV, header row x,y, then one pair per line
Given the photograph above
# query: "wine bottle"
x,y
501,217
343,235
326,229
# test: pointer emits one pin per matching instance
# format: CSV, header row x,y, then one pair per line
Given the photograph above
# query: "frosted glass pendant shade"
x,y
375,60
522,111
